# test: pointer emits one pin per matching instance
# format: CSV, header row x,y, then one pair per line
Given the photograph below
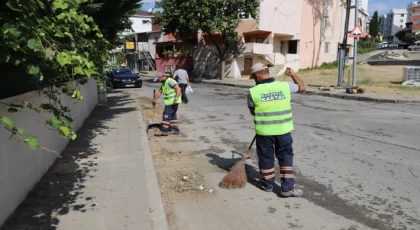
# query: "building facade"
x,y
391,23
414,16
410,8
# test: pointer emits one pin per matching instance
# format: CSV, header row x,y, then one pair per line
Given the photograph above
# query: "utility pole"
x,y
356,22
342,53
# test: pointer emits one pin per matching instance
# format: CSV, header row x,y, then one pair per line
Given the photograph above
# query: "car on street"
x,y
415,46
123,77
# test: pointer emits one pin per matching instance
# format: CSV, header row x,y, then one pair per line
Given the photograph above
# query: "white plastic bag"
x,y
188,90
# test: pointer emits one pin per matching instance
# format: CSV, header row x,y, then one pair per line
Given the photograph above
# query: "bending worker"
x,y
269,103
172,95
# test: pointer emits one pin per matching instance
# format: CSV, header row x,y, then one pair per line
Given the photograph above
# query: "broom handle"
x,y
252,143
154,95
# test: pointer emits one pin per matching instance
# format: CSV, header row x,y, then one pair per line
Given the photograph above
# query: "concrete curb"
x,y
157,210
325,94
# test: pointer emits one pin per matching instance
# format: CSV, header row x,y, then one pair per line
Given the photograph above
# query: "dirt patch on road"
x,y
180,173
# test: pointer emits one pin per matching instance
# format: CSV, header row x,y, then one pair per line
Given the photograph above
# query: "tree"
x,y
112,16
212,17
374,25
405,35
54,46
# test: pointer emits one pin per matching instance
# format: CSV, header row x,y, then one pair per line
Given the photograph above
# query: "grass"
x,y
376,79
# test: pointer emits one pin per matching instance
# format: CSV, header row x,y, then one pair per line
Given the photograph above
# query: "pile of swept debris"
x,y
389,55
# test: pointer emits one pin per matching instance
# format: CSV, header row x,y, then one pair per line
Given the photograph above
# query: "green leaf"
x,y
64,131
64,58
99,35
55,122
60,4
13,31
33,70
78,70
49,54
33,45
31,141
73,136
8,122
20,130
13,108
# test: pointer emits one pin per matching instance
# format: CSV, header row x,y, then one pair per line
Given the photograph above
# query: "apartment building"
x,y
410,8
363,13
413,10
391,23
310,35
322,33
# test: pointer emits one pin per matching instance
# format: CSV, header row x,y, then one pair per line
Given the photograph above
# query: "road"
x,y
358,163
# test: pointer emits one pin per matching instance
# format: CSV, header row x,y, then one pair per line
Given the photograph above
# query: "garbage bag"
x,y
188,90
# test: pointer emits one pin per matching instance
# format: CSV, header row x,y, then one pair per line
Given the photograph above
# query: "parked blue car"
x,y
123,77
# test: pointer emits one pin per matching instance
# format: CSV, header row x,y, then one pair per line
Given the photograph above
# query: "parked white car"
x,y
415,46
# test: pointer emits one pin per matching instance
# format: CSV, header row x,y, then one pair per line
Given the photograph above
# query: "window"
x,y
293,47
156,38
326,47
145,22
169,68
325,22
402,15
402,20
260,40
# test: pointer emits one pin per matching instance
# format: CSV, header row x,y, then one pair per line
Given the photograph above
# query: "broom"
x,y
236,177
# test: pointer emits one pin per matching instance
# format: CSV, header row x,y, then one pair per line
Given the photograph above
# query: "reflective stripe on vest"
x,y
273,111
169,93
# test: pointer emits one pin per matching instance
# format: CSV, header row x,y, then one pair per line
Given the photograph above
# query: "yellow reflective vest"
x,y
273,111
169,93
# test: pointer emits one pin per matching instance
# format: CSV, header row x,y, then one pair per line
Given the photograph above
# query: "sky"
x,y
382,6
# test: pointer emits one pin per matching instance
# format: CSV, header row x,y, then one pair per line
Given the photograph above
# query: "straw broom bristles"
x,y
236,177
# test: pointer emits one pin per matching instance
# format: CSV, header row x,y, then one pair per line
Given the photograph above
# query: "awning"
x,y
258,32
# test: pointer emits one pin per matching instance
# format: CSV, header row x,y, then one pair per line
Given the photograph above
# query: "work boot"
x,y
266,188
173,132
292,193
161,134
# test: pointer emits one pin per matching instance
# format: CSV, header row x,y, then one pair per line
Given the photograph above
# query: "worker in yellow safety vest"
x,y
269,103
172,96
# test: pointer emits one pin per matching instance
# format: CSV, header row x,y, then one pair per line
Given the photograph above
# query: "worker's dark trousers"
x,y
169,120
184,94
281,146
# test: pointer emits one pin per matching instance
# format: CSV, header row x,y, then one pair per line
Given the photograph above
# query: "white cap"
x,y
257,67
158,75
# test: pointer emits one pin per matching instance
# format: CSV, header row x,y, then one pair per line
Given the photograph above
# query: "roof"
x,y
142,13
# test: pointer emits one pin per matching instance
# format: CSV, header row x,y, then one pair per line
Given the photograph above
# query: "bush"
x,y
367,45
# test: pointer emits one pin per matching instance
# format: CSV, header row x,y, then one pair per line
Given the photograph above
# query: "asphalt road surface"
x,y
358,163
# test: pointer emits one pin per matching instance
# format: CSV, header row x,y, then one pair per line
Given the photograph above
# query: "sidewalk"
x,y
336,93
103,180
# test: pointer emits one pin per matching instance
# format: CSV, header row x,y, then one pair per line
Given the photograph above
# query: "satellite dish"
x,y
150,10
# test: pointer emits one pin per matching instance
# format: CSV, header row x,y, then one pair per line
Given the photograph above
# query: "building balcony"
x,y
416,27
257,48
415,17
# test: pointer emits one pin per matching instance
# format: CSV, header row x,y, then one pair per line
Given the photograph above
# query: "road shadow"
x,y
252,173
61,189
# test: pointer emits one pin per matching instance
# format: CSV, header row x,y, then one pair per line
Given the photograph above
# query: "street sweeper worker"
x,y
269,103
172,96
